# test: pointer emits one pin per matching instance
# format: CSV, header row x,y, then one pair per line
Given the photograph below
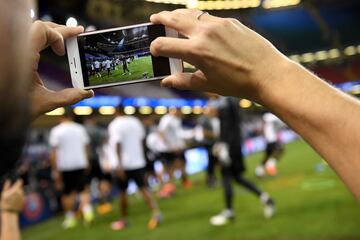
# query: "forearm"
x,y
10,226
325,117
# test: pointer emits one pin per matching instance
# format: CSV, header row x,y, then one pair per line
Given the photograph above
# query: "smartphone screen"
x,y
114,56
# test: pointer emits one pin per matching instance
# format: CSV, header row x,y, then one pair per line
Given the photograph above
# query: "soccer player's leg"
x,y
122,222
226,215
68,199
83,190
139,177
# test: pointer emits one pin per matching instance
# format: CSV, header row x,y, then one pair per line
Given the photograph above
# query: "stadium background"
x,y
323,35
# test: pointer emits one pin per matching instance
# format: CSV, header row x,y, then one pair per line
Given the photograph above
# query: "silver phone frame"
x,y
176,65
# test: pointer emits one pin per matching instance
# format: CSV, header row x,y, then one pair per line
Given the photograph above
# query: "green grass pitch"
x,y
137,68
310,205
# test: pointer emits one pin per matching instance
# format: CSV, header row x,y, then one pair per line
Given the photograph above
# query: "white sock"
x,y
69,214
87,208
264,198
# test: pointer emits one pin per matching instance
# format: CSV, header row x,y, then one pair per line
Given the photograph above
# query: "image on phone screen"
x,y
118,56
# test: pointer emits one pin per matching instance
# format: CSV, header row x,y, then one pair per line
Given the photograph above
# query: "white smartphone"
x,y
119,56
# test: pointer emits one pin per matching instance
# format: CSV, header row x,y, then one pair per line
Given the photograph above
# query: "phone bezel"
x,y
77,66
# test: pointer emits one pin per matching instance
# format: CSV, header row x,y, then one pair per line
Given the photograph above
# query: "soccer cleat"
x,y
270,167
269,205
187,184
118,225
69,222
104,208
223,218
88,214
154,221
260,171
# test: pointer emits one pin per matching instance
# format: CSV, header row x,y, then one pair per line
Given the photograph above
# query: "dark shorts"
x,y
97,172
170,157
74,181
271,148
138,176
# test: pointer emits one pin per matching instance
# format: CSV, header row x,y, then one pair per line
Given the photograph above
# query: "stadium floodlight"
x,y
307,57
57,112
350,51
90,28
32,13
83,110
107,110
334,53
186,110
321,55
71,22
197,110
244,103
129,110
295,57
192,4
213,4
160,110
145,110
279,3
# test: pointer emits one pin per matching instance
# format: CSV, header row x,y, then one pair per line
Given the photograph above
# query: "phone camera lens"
x,y
75,72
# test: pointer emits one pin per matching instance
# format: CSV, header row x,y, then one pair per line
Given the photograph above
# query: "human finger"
x,y
173,47
180,22
56,41
69,32
18,184
186,81
6,185
71,96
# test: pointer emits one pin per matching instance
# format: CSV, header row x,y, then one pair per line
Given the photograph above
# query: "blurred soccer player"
x,y
125,66
210,125
170,128
97,68
97,137
127,135
70,141
273,149
108,67
232,162
153,147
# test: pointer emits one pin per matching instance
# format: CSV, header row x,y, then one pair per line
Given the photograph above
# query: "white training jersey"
x,y
70,140
155,143
171,127
97,64
270,132
108,64
107,156
129,132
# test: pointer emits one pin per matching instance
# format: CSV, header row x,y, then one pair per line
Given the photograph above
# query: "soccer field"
x,y
311,204
137,68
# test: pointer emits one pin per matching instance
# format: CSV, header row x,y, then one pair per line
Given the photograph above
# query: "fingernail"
x,y
152,16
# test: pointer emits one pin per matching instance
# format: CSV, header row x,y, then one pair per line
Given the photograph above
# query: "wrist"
x,y
273,81
9,212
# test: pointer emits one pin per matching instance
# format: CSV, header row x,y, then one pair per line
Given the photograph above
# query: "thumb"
x,y
18,184
71,96
186,81
6,185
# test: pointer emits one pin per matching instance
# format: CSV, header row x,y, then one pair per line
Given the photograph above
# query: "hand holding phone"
x,y
119,56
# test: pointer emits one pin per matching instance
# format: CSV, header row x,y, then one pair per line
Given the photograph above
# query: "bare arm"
x,y
12,202
250,67
325,117
10,226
